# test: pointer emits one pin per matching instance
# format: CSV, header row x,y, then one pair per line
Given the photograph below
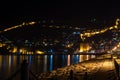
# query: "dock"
x,y
101,68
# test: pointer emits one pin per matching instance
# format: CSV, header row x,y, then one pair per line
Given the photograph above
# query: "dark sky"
x,y
70,11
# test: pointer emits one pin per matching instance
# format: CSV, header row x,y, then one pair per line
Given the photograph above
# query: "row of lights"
x,y
89,34
116,47
21,25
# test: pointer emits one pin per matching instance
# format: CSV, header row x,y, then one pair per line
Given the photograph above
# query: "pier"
x,y
104,67
101,68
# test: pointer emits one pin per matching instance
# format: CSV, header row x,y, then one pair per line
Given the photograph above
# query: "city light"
x,y
39,52
92,33
17,26
83,35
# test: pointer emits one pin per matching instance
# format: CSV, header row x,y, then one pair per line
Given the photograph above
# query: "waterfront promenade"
x,y
104,67
101,68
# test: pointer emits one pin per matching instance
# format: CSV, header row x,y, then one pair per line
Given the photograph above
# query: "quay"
x,y
104,67
101,68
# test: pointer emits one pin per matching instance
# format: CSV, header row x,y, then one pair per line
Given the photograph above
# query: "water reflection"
x,y
0,62
30,59
81,58
51,62
9,61
68,60
76,59
87,57
45,63
38,63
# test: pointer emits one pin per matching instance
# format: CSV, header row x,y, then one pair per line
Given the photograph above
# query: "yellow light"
x,y
21,50
69,45
31,23
1,45
14,50
116,27
111,28
23,23
81,58
117,21
97,32
81,47
114,57
114,48
39,52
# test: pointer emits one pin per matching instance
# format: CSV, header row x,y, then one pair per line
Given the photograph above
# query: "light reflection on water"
x,y
51,62
68,62
38,63
45,63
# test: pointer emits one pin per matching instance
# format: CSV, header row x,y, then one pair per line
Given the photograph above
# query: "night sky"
x,y
65,11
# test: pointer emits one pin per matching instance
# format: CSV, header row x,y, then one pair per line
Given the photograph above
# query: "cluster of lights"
x,y
25,51
14,50
116,47
84,47
2,45
89,34
86,34
21,50
83,36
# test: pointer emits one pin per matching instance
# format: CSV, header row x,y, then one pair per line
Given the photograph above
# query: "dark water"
x,y
37,63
